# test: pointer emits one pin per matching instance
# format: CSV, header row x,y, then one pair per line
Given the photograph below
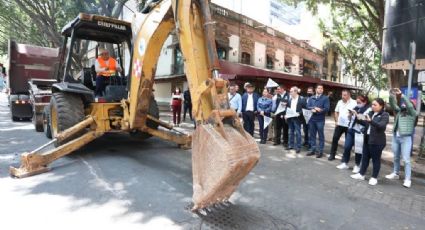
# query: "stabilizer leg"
x,y
35,162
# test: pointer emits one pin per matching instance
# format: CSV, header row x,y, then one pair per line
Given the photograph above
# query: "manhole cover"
x,y
243,217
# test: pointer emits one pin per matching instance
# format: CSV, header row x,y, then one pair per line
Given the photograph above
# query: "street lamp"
x,y
421,80
421,84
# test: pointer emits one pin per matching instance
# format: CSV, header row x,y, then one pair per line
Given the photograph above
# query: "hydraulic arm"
x,y
222,152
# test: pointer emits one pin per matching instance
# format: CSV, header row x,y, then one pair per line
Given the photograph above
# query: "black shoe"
x,y
298,151
276,143
311,153
262,142
331,157
319,155
288,148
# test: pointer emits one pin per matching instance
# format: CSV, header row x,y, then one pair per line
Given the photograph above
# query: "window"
x,y
270,62
178,61
221,53
246,58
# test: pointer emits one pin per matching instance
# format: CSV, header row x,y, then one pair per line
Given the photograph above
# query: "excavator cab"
x,y
222,152
83,38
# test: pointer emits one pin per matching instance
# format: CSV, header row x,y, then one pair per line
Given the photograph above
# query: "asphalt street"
x,y
118,182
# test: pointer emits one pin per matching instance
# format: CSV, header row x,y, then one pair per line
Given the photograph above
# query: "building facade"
x,y
249,49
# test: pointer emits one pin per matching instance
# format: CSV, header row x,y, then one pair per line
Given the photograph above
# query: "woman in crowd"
x,y
375,140
264,107
404,126
176,105
354,128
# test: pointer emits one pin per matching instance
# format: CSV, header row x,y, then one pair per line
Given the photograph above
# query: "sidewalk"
x,y
418,165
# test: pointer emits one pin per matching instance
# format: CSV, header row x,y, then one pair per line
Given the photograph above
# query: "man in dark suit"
x,y
319,105
187,103
280,100
310,93
295,105
249,108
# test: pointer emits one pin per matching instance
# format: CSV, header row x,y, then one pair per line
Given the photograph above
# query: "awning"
x,y
233,71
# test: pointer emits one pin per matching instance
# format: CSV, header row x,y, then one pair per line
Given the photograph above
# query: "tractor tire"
x,y
46,122
65,111
37,120
154,112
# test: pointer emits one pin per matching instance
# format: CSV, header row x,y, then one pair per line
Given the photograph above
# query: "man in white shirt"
x,y
341,120
249,108
280,101
235,99
296,104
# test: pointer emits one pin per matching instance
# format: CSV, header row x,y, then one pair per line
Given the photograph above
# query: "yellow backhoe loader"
x,y
222,152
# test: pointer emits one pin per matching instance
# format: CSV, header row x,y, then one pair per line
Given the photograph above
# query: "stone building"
x,y
251,52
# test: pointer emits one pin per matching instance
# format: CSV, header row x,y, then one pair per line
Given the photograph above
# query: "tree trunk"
x,y
397,78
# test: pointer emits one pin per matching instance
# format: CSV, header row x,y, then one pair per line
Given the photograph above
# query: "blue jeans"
x,y
348,145
294,130
317,127
100,85
263,131
402,146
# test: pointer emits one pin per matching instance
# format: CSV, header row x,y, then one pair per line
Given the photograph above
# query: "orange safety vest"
x,y
112,67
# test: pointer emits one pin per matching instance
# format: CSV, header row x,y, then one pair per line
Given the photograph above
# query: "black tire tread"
x,y
38,127
69,108
46,116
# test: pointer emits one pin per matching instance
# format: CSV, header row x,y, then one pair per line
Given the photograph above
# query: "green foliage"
x,y
354,27
40,22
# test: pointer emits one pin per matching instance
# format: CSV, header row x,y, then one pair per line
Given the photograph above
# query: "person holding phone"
x,y
404,126
375,140
355,131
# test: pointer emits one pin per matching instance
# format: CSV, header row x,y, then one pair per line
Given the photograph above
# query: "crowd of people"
x,y
288,115
363,123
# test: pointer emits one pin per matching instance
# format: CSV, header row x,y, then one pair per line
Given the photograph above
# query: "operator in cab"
x,y
105,67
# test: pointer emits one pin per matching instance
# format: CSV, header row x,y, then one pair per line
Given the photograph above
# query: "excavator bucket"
x,y
220,162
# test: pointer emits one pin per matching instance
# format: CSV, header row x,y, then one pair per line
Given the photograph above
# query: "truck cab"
x,y
29,63
83,38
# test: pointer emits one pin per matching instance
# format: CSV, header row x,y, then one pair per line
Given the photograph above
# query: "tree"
x,y
47,18
362,58
368,13
369,17
13,25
